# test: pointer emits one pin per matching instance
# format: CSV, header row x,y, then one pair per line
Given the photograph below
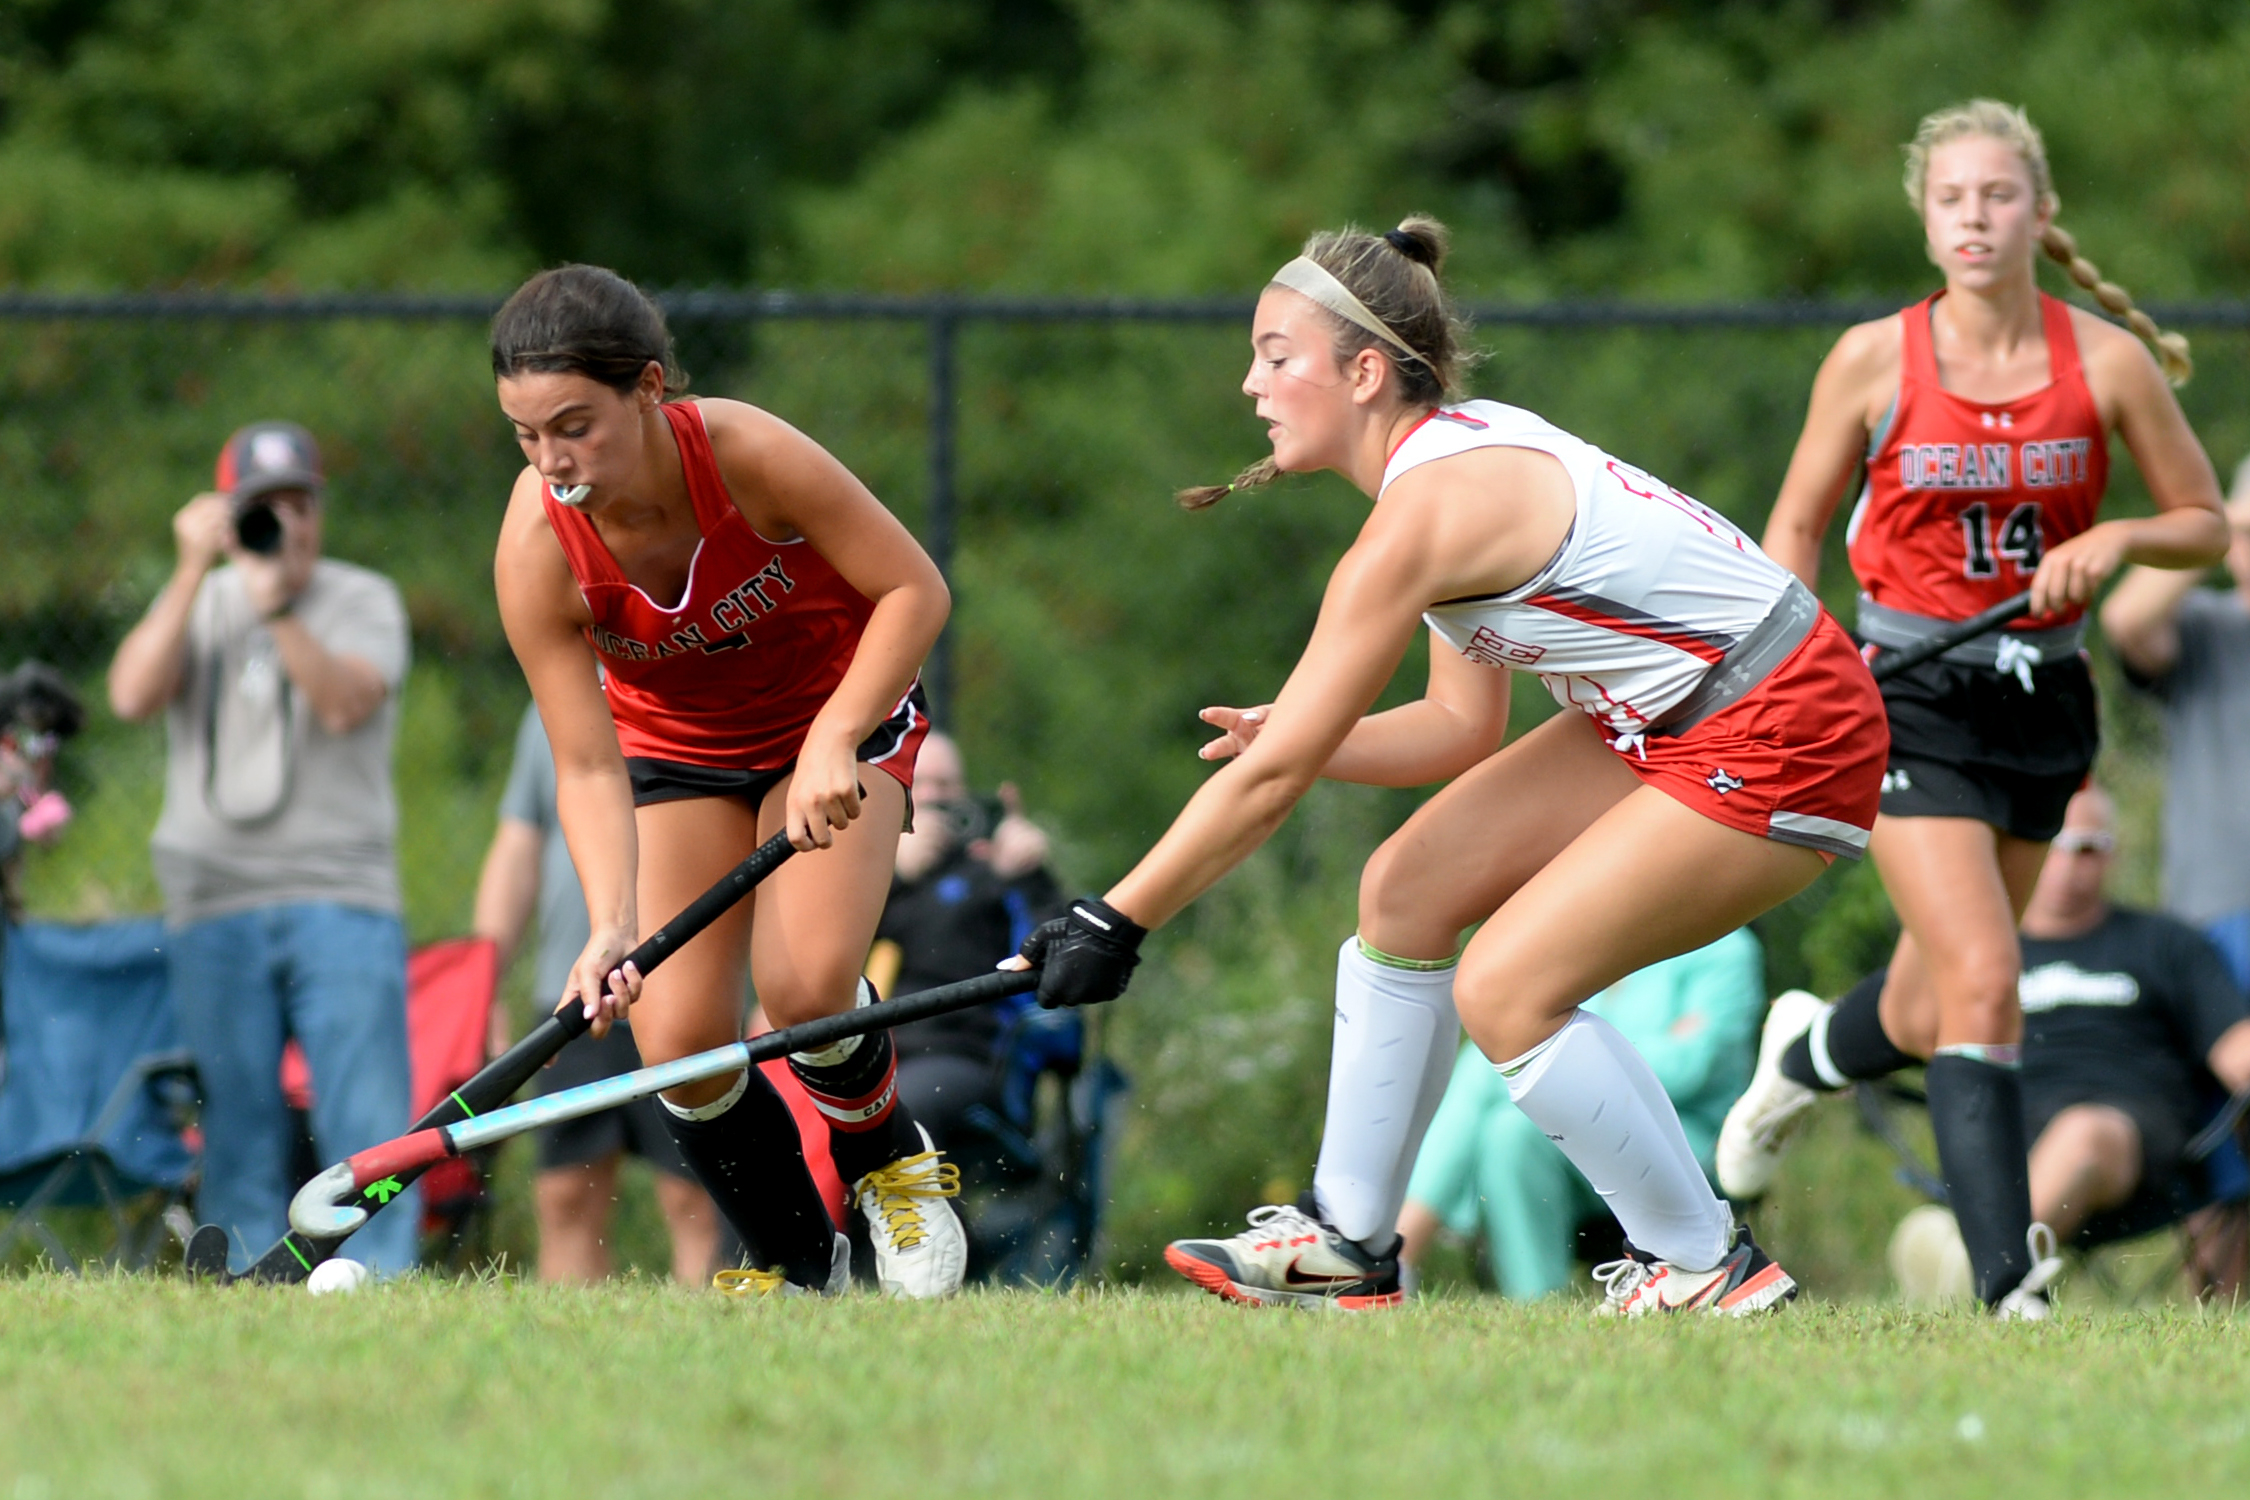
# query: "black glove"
x,y
1085,957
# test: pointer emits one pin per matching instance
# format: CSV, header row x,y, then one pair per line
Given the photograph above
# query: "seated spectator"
x,y
2191,647
528,870
2132,1028
962,899
1694,1017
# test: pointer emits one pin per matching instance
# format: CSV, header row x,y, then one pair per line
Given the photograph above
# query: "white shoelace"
x,y
1275,1218
2019,657
2046,1260
1620,1279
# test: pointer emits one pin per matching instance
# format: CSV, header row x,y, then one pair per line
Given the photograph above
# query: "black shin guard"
x,y
1858,1047
752,1162
868,1128
1976,1110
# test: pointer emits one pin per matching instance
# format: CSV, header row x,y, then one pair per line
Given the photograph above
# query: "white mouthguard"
x,y
575,495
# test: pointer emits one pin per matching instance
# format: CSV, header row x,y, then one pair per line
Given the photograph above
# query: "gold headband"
x,y
1309,278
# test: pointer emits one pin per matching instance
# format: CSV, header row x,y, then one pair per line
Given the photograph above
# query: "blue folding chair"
x,y
98,1092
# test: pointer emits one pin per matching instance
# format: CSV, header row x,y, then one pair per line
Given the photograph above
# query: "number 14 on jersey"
x,y
2020,540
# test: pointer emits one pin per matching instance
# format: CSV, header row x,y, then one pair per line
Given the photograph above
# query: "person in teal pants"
x,y
1483,1164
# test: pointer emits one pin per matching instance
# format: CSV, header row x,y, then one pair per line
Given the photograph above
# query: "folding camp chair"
x,y
450,988
98,1095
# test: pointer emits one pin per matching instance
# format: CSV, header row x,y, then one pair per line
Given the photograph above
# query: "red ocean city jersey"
x,y
733,675
1964,497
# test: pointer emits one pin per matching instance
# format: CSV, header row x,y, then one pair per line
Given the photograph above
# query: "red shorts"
x,y
1799,758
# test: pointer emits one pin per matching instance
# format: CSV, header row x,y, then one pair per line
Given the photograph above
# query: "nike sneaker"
x,y
1747,1280
921,1250
1287,1258
1771,1109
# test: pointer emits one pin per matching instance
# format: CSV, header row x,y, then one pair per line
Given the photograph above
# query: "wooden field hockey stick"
x,y
1889,663
293,1257
330,1207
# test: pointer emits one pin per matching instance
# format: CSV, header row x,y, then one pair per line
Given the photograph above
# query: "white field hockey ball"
x,y
338,1275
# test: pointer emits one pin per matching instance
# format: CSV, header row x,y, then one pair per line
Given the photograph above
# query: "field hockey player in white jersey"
x,y
1728,743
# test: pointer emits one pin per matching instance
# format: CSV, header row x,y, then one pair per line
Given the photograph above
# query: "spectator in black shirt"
x,y
967,889
2129,1017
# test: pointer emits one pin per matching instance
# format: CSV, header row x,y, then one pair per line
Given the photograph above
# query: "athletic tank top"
x,y
733,674
1647,592
1964,497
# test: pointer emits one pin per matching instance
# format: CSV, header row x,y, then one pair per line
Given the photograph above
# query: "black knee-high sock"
x,y
752,1162
1976,1109
1858,1047
868,1128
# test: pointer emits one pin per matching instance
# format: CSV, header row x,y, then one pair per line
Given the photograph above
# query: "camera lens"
x,y
258,529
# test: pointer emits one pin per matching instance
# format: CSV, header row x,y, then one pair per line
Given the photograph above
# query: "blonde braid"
x,y
2171,348
1264,471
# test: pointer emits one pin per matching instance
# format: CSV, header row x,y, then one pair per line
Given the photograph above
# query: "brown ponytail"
x,y
2171,348
1395,275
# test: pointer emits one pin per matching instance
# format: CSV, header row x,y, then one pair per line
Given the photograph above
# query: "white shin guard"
x,y
1396,1036
1596,1098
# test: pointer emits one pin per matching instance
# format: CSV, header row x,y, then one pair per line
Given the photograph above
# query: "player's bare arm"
x,y
1849,395
2189,530
787,487
545,618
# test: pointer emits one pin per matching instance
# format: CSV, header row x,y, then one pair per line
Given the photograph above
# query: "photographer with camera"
x,y
278,677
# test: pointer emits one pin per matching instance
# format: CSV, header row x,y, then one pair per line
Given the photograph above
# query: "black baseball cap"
x,y
269,456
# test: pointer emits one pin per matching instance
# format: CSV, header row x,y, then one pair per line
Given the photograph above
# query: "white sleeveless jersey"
x,y
1649,590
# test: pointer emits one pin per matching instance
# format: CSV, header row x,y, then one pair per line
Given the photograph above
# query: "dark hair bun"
x,y
1422,240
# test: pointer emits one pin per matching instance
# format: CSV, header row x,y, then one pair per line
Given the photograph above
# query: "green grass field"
x,y
130,1386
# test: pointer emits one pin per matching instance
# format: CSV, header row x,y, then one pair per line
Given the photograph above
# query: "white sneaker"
x,y
1762,1120
1928,1260
1746,1281
920,1248
1287,1258
750,1282
2029,1302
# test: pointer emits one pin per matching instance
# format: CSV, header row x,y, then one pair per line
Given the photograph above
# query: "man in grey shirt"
x,y
278,678
2191,647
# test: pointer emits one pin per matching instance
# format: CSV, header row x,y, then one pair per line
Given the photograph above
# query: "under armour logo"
x,y
2003,419
1719,781
1896,781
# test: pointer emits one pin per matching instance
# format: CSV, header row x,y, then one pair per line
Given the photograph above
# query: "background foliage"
x,y
1636,149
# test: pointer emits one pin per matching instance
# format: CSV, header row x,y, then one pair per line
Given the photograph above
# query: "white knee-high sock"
x,y
1396,1035
1595,1097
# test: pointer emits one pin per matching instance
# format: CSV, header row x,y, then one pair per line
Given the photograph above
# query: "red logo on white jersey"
x,y
1491,649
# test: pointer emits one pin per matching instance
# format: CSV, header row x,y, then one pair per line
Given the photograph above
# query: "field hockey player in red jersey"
x,y
723,631
1726,742
1983,417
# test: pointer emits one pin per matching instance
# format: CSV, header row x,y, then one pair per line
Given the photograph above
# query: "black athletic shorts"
x,y
893,746
638,1127
1968,742
2165,1131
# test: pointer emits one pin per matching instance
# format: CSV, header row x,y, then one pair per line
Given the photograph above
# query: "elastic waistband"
x,y
1751,661
1895,628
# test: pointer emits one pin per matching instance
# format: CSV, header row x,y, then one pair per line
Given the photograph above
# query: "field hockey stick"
x,y
1889,663
294,1256
329,1207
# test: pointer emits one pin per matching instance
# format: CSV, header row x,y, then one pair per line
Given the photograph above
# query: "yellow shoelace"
x,y
748,1283
898,1189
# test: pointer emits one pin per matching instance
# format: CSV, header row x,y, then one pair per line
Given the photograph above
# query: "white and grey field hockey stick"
x,y
1889,663
293,1257
329,1207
